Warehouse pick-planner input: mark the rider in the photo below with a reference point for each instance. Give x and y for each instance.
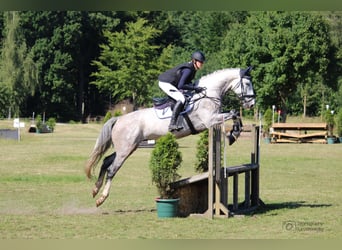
(174, 81)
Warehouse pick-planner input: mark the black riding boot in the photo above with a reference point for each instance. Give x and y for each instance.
(176, 111)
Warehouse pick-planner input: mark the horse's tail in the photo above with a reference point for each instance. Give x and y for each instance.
(103, 142)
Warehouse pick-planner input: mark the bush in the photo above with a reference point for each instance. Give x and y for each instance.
(339, 122)
(267, 121)
(164, 163)
(117, 113)
(201, 164)
(107, 117)
(39, 122)
(45, 127)
(329, 119)
(51, 123)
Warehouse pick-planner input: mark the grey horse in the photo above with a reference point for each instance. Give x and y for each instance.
(127, 131)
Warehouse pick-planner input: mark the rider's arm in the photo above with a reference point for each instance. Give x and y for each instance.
(182, 84)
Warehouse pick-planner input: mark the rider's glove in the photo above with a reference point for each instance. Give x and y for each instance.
(199, 89)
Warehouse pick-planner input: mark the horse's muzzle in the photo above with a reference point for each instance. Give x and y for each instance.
(249, 104)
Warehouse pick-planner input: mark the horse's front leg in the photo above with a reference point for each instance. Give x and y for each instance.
(236, 130)
(219, 118)
(237, 124)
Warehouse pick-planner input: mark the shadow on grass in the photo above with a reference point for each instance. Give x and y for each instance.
(262, 209)
(273, 207)
(126, 211)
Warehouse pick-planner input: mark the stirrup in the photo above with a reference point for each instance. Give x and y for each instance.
(174, 127)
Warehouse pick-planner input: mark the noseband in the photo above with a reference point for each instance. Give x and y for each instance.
(242, 93)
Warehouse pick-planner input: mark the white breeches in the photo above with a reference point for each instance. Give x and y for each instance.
(172, 91)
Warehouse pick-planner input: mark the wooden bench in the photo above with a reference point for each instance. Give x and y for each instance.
(299, 132)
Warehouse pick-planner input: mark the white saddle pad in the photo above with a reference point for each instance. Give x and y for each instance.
(167, 112)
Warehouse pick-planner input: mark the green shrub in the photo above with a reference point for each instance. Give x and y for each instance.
(339, 122)
(51, 123)
(164, 163)
(107, 117)
(201, 164)
(329, 119)
(267, 121)
(39, 122)
(117, 113)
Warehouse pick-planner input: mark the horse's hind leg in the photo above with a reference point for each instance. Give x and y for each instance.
(111, 171)
(105, 165)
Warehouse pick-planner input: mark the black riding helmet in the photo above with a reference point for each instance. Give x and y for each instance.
(198, 56)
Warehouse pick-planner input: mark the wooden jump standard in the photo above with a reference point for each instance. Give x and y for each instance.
(206, 194)
(219, 177)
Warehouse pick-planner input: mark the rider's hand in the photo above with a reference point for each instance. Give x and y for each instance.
(199, 89)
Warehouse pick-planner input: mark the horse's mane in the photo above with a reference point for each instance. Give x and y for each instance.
(217, 79)
(203, 78)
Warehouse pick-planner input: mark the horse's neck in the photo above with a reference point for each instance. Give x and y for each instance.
(217, 86)
(221, 79)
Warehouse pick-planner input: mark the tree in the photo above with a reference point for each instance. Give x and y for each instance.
(296, 57)
(203, 30)
(286, 49)
(127, 64)
(64, 47)
(334, 19)
(18, 74)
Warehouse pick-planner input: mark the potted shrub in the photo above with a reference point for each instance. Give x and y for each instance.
(51, 123)
(164, 164)
(329, 119)
(267, 125)
(39, 124)
(339, 124)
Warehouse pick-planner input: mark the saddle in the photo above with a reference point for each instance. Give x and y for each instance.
(163, 102)
(166, 102)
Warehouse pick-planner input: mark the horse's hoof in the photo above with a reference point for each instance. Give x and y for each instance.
(100, 200)
(95, 191)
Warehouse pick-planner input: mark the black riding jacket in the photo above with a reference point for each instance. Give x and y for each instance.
(180, 76)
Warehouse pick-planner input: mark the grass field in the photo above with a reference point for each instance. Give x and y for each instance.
(45, 194)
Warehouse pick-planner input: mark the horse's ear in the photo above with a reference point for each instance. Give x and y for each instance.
(246, 72)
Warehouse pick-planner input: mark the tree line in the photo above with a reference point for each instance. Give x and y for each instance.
(75, 64)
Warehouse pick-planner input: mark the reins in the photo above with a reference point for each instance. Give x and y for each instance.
(216, 100)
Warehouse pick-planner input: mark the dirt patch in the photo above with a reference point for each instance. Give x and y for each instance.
(73, 207)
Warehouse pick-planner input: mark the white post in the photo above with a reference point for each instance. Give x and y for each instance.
(16, 124)
(19, 133)
(273, 109)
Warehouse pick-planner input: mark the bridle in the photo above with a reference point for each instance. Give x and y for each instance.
(242, 96)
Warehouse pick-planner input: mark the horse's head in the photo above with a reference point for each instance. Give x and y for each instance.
(243, 88)
(238, 80)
